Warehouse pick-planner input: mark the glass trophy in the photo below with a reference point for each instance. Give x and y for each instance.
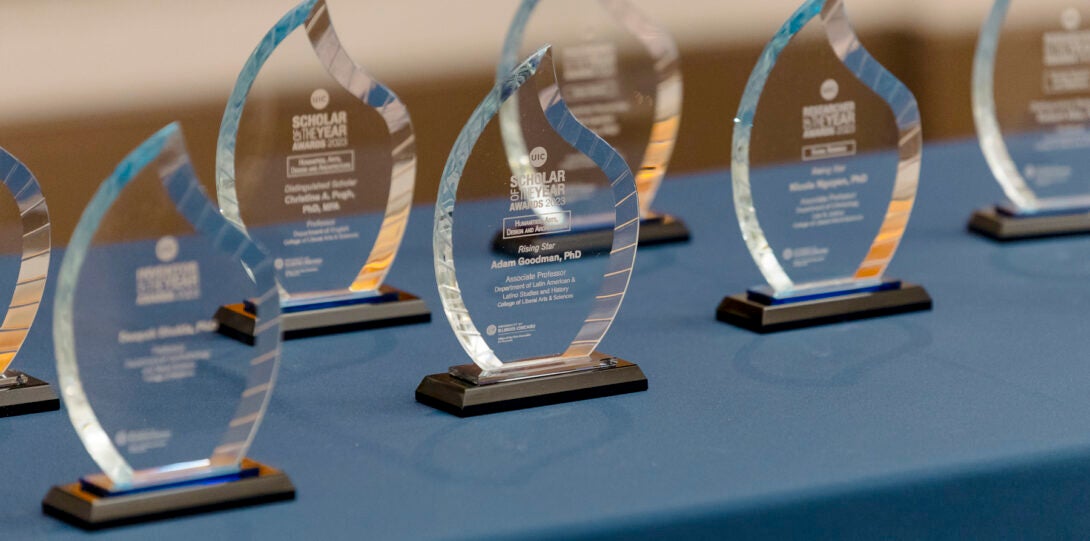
(1031, 87)
(825, 166)
(24, 252)
(317, 162)
(165, 404)
(531, 323)
(620, 75)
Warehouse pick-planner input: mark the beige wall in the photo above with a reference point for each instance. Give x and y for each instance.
(65, 57)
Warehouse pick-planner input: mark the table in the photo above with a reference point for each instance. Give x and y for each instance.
(972, 420)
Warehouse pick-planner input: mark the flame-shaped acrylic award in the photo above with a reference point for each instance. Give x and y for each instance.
(317, 162)
(1031, 86)
(826, 161)
(24, 249)
(166, 405)
(531, 322)
(620, 75)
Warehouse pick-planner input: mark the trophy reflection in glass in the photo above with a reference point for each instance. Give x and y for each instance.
(620, 75)
(1031, 87)
(826, 161)
(317, 162)
(24, 252)
(531, 323)
(166, 405)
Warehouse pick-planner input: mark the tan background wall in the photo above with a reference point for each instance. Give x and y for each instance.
(86, 81)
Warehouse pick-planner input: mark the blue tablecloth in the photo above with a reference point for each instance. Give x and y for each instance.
(972, 420)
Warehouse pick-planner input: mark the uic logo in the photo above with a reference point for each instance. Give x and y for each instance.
(319, 99)
(166, 250)
(539, 156)
(830, 89)
(788, 254)
(491, 330)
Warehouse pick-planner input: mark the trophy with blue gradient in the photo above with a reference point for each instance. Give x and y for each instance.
(317, 163)
(24, 267)
(531, 321)
(1031, 89)
(165, 403)
(826, 161)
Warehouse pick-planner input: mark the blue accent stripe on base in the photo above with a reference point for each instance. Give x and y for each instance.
(765, 295)
(1012, 211)
(326, 304)
(102, 492)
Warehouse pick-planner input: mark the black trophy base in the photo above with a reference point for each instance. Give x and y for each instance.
(464, 399)
(660, 229)
(748, 313)
(237, 321)
(75, 505)
(30, 395)
(999, 226)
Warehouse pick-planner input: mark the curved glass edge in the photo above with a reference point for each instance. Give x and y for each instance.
(361, 84)
(34, 265)
(514, 144)
(226, 192)
(906, 112)
(443, 235)
(626, 223)
(668, 97)
(984, 114)
(509, 56)
(854, 56)
(626, 231)
(314, 15)
(668, 94)
(166, 149)
(752, 233)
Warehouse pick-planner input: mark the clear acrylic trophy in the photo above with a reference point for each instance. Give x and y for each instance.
(24, 252)
(1031, 87)
(826, 161)
(531, 323)
(620, 75)
(317, 163)
(165, 404)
